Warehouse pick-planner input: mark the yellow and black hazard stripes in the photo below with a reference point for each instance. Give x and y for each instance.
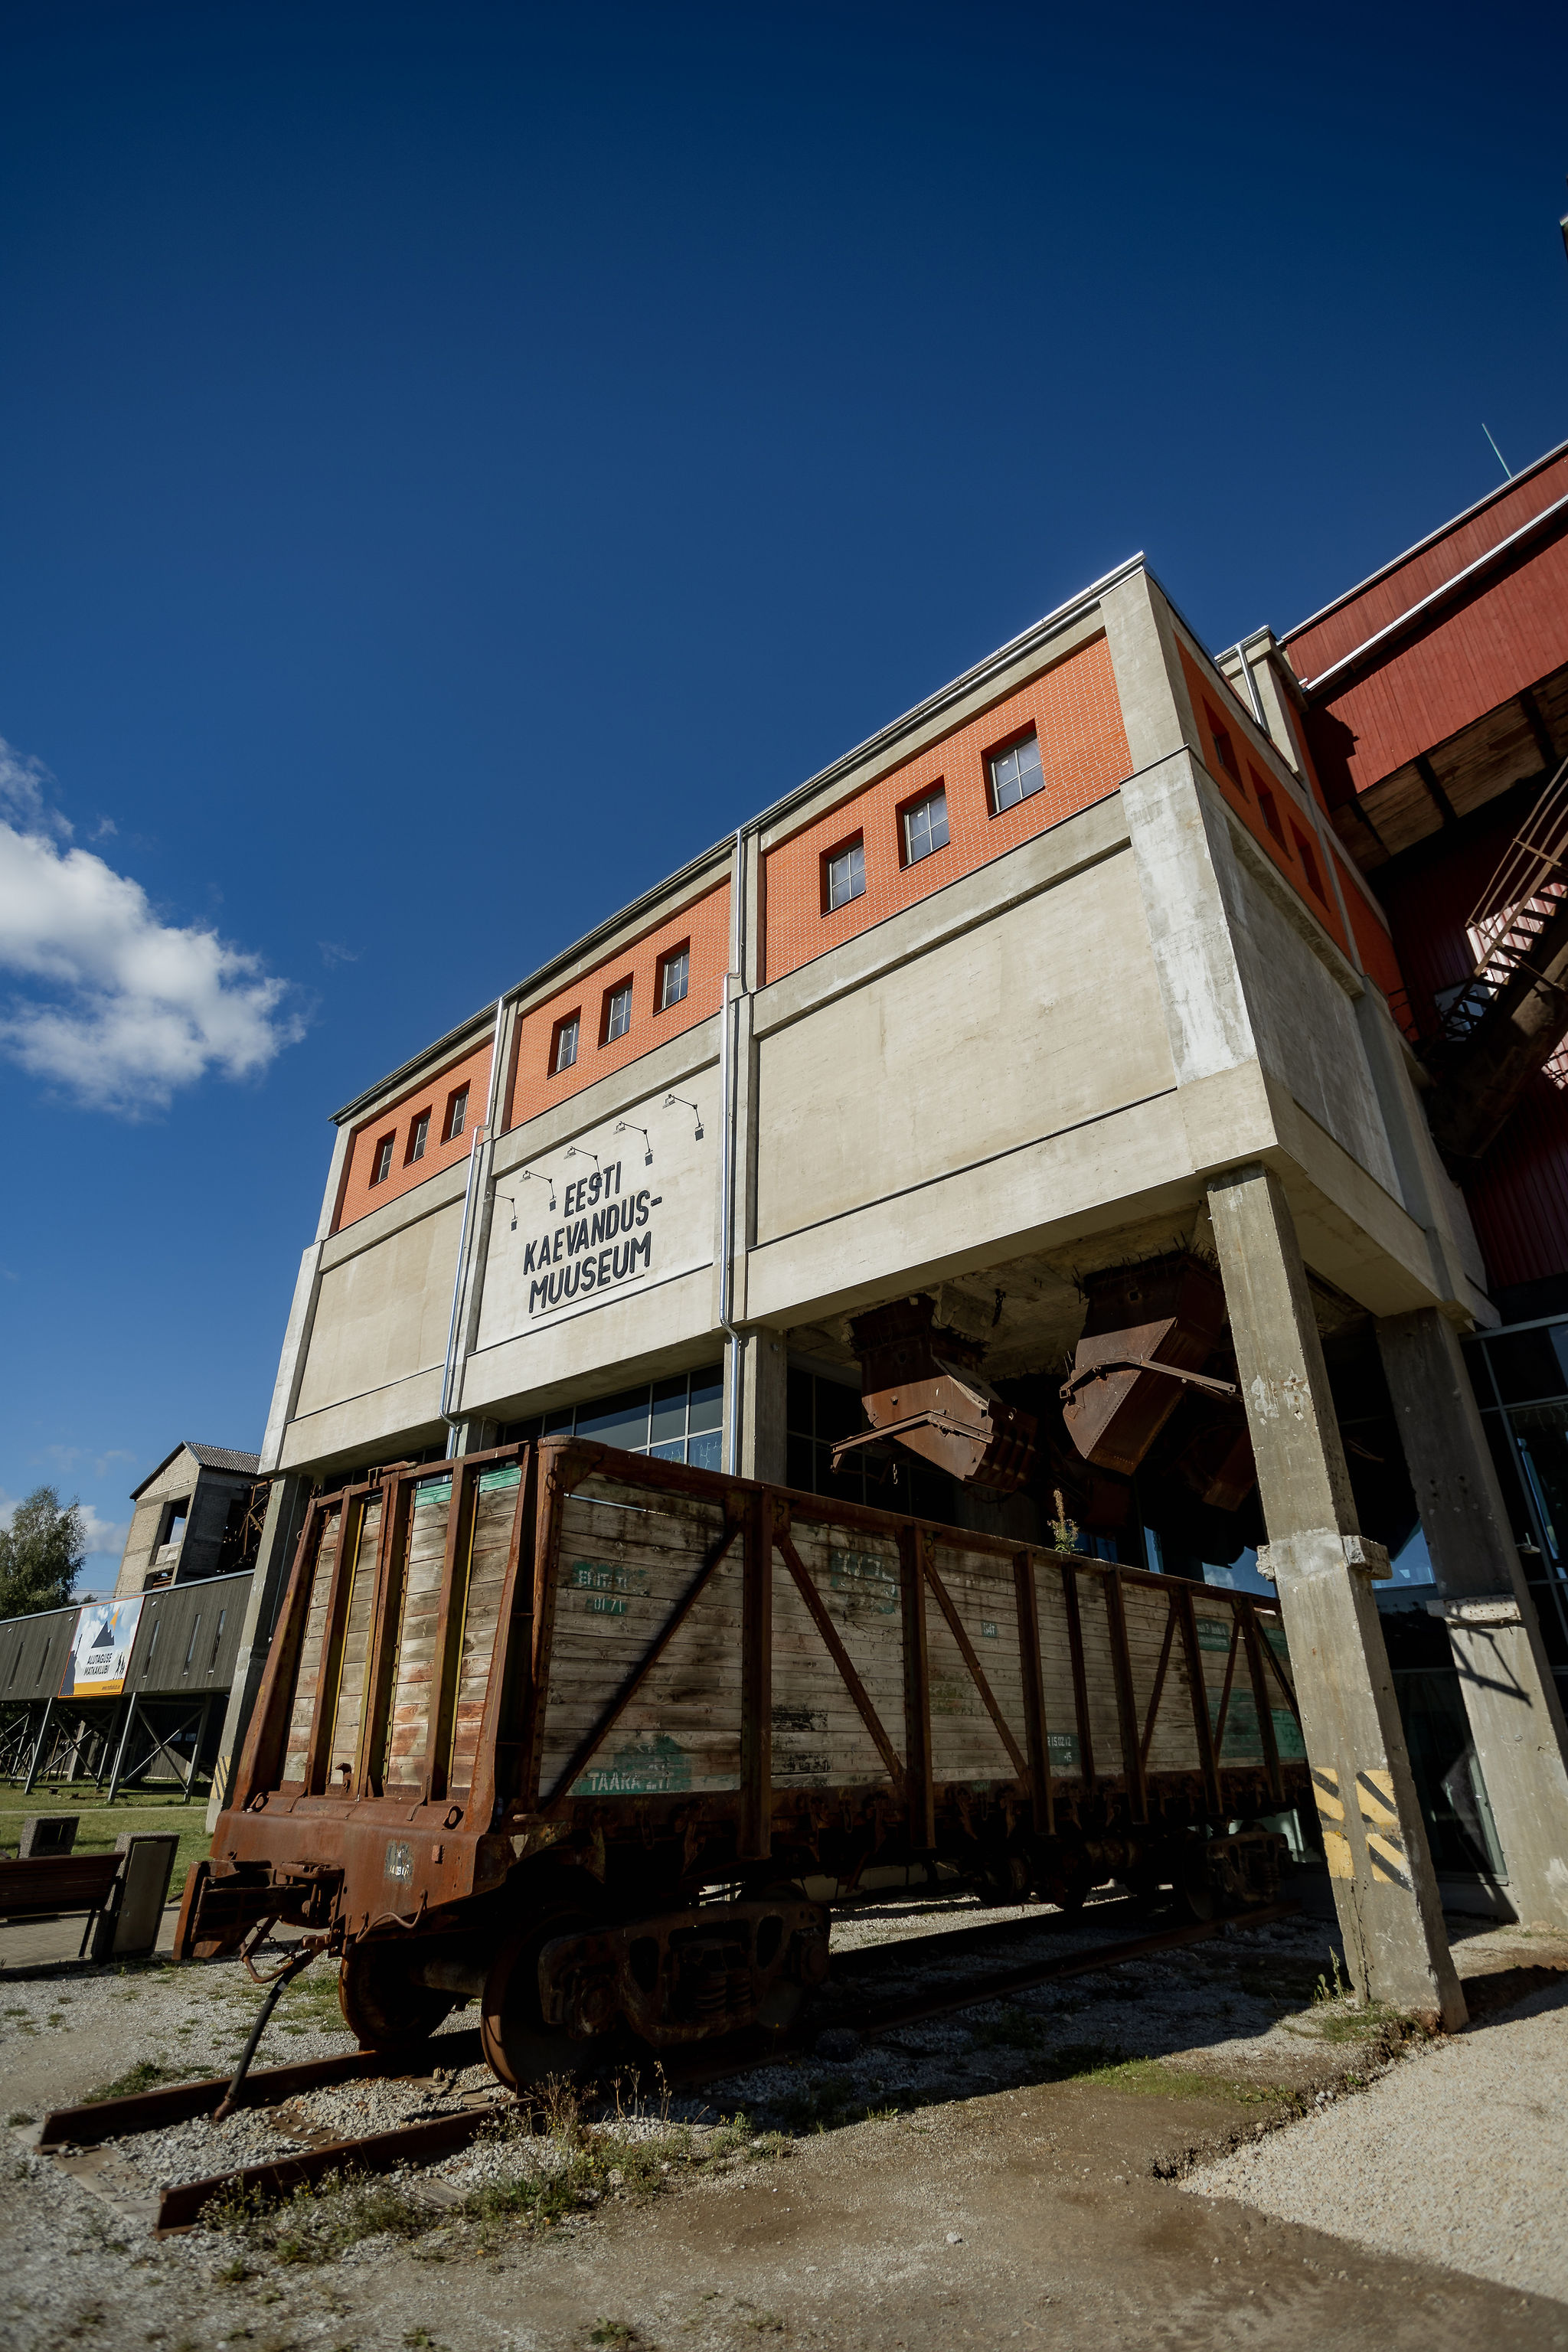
(1380, 1819)
(1385, 1854)
(1332, 1819)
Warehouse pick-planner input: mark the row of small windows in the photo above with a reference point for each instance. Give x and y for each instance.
(1268, 803)
(452, 1125)
(1013, 774)
(671, 983)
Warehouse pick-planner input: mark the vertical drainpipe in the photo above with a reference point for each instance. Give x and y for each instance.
(475, 1153)
(728, 1087)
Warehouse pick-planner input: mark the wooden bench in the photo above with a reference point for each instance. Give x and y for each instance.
(45, 1884)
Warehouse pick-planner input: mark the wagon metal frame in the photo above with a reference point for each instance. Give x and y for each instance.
(335, 1845)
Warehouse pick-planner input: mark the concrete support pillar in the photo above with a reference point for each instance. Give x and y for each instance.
(764, 1367)
(1385, 1890)
(1515, 1716)
(286, 1506)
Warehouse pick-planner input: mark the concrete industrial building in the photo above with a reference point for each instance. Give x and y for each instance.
(197, 1514)
(1083, 966)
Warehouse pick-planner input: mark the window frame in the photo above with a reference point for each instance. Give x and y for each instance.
(457, 1119)
(909, 809)
(999, 750)
(666, 1002)
(383, 1153)
(845, 848)
(568, 1022)
(1223, 743)
(1268, 808)
(613, 994)
(1308, 855)
(418, 1136)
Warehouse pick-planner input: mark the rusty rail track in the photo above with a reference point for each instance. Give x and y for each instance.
(181, 2205)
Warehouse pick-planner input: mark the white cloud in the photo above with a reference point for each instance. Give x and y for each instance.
(120, 1009)
(105, 1538)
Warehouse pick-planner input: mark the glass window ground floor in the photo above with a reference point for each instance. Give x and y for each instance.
(1520, 1379)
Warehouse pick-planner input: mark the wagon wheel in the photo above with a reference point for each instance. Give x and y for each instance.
(1065, 1880)
(784, 2002)
(381, 2002)
(1147, 1891)
(520, 2048)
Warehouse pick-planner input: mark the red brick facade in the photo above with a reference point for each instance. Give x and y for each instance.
(535, 1084)
(1075, 712)
(359, 1194)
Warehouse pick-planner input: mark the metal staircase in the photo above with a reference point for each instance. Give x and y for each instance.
(1509, 1017)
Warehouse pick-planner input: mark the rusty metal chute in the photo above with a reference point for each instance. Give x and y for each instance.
(1151, 1330)
(921, 1386)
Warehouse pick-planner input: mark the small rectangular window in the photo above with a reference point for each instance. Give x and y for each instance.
(191, 1652)
(843, 875)
(925, 825)
(457, 1114)
(382, 1168)
(617, 1012)
(1015, 775)
(1223, 748)
(674, 976)
(418, 1136)
(1307, 857)
(1271, 807)
(564, 1044)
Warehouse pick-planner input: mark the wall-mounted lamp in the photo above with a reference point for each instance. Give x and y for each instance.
(691, 1107)
(576, 1151)
(511, 1198)
(533, 1176)
(630, 1126)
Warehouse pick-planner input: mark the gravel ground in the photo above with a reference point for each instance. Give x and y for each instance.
(1230, 2027)
(1456, 2156)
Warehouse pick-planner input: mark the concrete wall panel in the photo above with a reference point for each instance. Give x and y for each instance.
(383, 1314)
(990, 1040)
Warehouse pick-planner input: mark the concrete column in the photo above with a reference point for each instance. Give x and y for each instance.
(764, 1366)
(1385, 1890)
(286, 1506)
(1516, 1718)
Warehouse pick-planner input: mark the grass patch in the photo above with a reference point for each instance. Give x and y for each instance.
(136, 2079)
(1014, 2029)
(319, 2223)
(584, 2166)
(101, 1824)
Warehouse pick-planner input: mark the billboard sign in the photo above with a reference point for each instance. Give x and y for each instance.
(100, 1649)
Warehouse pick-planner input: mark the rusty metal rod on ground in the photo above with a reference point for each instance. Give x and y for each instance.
(285, 1976)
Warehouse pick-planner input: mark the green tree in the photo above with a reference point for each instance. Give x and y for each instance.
(41, 1553)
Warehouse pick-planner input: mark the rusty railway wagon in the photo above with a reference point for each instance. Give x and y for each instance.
(581, 1734)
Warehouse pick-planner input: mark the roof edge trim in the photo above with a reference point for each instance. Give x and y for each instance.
(1454, 524)
(1038, 633)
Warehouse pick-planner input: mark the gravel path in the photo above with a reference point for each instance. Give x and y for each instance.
(1456, 2156)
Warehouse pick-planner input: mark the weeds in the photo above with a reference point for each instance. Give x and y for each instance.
(1340, 1990)
(586, 2165)
(1014, 2029)
(17, 2116)
(135, 2079)
(318, 2224)
(617, 2333)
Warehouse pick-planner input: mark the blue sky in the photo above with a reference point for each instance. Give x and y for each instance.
(460, 459)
